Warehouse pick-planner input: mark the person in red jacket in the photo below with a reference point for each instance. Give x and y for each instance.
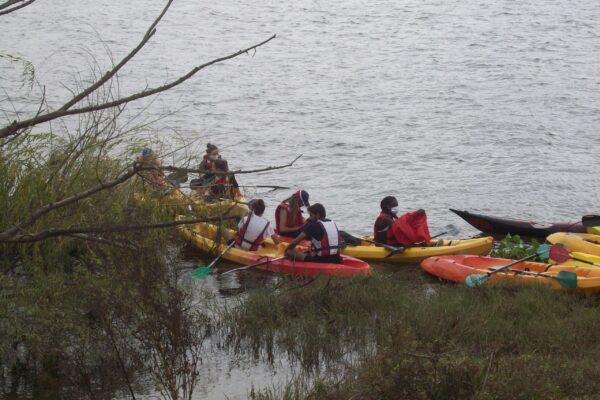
(382, 230)
(288, 216)
(409, 229)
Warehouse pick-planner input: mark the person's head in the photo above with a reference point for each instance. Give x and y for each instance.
(389, 205)
(317, 212)
(212, 152)
(258, 206)
(148, 155)
(221, 165)
(300, 199)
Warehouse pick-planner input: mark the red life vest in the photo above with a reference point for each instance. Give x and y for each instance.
(389, 233)
(251, 239)
(292, 221)
(329, 245)
(411, 228)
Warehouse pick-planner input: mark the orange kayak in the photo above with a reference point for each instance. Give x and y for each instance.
(456, 268)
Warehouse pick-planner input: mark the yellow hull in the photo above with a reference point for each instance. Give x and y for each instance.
(178, 202)
(414, 255)
(576, 242)
(595, 230)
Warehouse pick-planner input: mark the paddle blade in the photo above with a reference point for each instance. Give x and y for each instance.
(475, 280)
(559, 254)
(590, 220)
(543, 251)
(200, 272)
(452, 230)
(567, 279)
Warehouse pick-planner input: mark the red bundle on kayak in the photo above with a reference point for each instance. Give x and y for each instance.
(411, 228)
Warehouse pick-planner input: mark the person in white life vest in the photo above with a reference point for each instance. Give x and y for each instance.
(254, 228)
(323, 235)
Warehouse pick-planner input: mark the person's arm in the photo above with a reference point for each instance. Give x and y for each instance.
(275, 238)
(381, 237)
(297, 240)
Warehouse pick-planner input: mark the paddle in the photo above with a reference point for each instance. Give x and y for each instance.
(392, 249)
(253, 265)
(590, 220)
(451, 229)
(560, 255)
(201, 272)
(478, 279)
(567, 279)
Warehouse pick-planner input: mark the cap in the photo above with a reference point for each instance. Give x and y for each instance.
(146, 152)
(302, 195)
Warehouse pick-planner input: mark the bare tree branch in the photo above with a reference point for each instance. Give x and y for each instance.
(149, 33)
(16, 126)
(69, 200)
(34, 237)
(238, 172)
(9, 3)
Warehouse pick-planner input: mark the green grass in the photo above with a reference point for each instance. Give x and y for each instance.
(404, 341)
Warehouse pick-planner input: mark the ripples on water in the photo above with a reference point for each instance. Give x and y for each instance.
(486, 106)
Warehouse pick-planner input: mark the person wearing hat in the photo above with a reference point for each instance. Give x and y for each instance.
(153, 176)
(324, 236)
(254, 228)
(288, 216)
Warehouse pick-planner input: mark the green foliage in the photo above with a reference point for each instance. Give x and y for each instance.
(406, 341)
(513, 247)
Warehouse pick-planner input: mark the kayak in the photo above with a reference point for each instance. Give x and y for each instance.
(594, 230)
(457, 268)
(503, 226)
(202, 237)
(177, 201)
(577, 242)
(414, 255)
(582, 260)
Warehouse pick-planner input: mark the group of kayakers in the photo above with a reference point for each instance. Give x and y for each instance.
(291, 226)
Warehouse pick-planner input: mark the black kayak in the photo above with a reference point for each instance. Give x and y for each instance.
(503, 226)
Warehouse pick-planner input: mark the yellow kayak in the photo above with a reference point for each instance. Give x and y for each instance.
(577, 242)
(176, 201)
(595, 230)
(414, 255)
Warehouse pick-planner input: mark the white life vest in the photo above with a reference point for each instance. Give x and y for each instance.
(251, 234)
(330, 242)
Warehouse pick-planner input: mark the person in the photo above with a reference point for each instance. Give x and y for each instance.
(288, 215)
(324, 236)
(407, 230)
(253, 229)
(208, 160)
(152, 175)
(223, 186)
(382, 230)
(207, 166)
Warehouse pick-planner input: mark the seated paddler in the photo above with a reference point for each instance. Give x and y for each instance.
(289, 220)
(253, 229)
(324, 236)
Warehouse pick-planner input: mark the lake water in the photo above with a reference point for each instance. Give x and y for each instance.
(492, 107)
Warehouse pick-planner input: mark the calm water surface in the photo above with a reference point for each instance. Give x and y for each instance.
(486, 106)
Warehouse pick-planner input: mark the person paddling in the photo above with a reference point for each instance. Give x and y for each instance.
(254, 228)
(324, 236)
(288, 216)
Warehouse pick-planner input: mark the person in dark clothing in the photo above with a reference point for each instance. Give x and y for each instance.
(324, 236)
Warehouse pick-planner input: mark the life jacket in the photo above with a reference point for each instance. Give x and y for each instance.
(221, 187)
(329, 244)
(292, 221)
(389, 233)
(411, 228)
(250, 235)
